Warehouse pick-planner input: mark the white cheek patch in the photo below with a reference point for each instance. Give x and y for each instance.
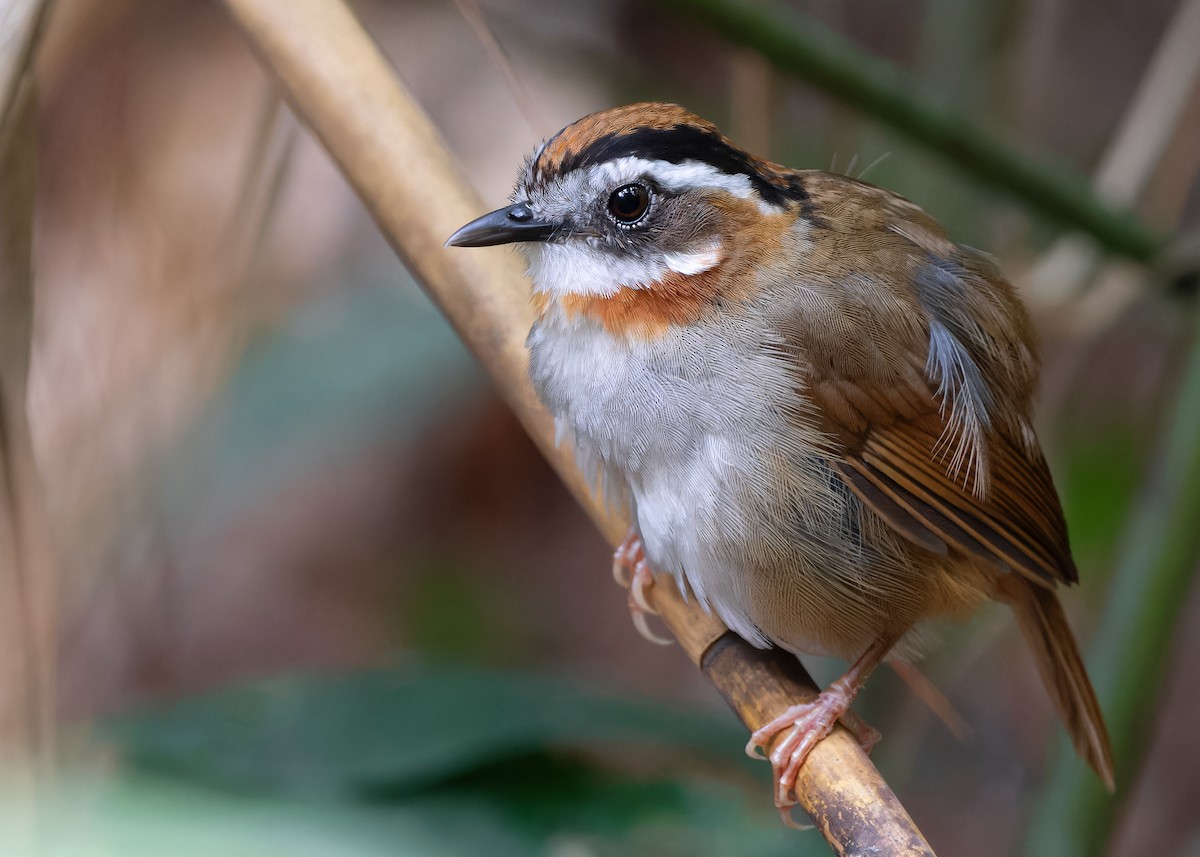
(696, 262)
(576, 267)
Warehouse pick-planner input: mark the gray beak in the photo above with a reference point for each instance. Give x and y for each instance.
(503, 226)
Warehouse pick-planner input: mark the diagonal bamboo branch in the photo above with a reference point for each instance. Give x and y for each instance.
(339, 83)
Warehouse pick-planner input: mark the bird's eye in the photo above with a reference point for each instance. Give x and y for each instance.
(629, 203)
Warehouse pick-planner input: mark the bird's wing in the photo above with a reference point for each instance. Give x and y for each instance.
(919, 363)
(897, 463)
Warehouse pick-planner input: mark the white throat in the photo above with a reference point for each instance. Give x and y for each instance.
(581, 267)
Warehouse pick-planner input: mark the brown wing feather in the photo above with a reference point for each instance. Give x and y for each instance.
(1018, 523)
(892, 457)
(920, 360)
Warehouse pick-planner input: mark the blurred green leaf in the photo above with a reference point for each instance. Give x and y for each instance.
(533, 806)
(151, 817)
(474, 758)
(549, 798)
(351, 734)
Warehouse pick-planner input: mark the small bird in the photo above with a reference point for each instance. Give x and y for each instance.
(814, 405)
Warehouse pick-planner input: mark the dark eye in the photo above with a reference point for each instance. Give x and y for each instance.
(628, 203)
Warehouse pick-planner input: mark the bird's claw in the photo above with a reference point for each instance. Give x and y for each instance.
(626, 557)
(807, 724)
(631, 570)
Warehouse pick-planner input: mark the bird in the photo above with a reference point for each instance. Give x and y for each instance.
(815, 406)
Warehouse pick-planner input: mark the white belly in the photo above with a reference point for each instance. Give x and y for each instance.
(730, 493)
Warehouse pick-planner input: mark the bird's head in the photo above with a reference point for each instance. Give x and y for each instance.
(636, 196)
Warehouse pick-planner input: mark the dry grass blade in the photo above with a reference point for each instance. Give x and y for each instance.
(27, 585)
(21, 22)
(269, 157)
(473, 15)
(340, 85)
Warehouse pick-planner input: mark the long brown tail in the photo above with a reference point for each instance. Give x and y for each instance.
(1044, 625)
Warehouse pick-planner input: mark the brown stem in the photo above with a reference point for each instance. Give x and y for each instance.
(341, 86)
(28, 584)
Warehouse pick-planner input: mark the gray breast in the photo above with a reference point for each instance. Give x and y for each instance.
(700, 431)
(639, 407)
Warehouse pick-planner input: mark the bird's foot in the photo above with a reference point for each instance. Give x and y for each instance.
(806, 724)
(626, 557)
(631, 570)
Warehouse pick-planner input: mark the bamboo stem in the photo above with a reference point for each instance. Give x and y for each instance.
(342, 87)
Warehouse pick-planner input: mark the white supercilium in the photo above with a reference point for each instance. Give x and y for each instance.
(688, 175)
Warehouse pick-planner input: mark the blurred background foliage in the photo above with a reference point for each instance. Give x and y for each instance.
(315, 593)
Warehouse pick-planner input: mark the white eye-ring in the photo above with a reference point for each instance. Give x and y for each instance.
(629, 203)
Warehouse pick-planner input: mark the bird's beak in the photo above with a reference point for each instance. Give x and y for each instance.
(503, 226)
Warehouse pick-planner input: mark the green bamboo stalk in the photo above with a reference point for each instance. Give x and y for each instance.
(799, 46)
(1155, 567)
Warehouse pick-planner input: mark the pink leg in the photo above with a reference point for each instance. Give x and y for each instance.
(810, 722)
(630, 569)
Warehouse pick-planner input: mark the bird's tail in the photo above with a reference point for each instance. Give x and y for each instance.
(1044, 625)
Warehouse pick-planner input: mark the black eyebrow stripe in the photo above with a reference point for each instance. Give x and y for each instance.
(684, 143)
